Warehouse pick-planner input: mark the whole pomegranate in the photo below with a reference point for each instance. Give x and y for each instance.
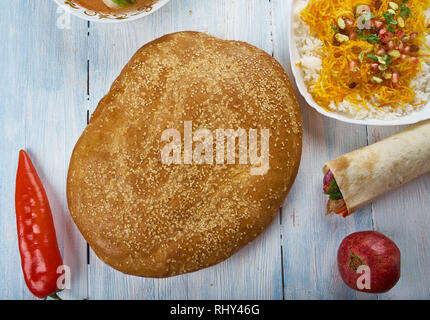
(369, 262)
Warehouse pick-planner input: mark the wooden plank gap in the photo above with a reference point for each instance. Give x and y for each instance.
(271, 27)
(282, 270)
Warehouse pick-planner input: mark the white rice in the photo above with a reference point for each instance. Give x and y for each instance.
(311, 68)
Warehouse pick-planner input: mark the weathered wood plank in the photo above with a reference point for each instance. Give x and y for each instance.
(403, 215)
(43, 110)
(254, 272)
(310, 239)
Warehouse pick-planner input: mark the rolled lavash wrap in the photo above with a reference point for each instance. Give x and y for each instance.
(355, 179)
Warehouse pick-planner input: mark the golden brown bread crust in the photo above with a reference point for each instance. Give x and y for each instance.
(149, 219)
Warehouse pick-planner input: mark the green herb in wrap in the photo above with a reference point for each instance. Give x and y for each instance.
(335, 204)
(333, 191)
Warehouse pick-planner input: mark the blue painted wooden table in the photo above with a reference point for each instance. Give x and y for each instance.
(55, 68)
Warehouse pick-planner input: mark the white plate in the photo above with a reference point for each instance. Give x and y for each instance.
(414, 117)
(86, 14)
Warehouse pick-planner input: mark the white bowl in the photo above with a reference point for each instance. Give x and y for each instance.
(422, 114)
(86, 14)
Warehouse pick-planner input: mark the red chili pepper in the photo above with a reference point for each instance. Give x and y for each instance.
(342, 211)
(40, 256)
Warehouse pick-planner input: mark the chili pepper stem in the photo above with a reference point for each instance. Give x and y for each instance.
(55, 296)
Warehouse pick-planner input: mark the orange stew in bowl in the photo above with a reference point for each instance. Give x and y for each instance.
(115, 6)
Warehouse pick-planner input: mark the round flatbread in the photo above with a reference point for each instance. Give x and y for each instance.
(146, 217)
